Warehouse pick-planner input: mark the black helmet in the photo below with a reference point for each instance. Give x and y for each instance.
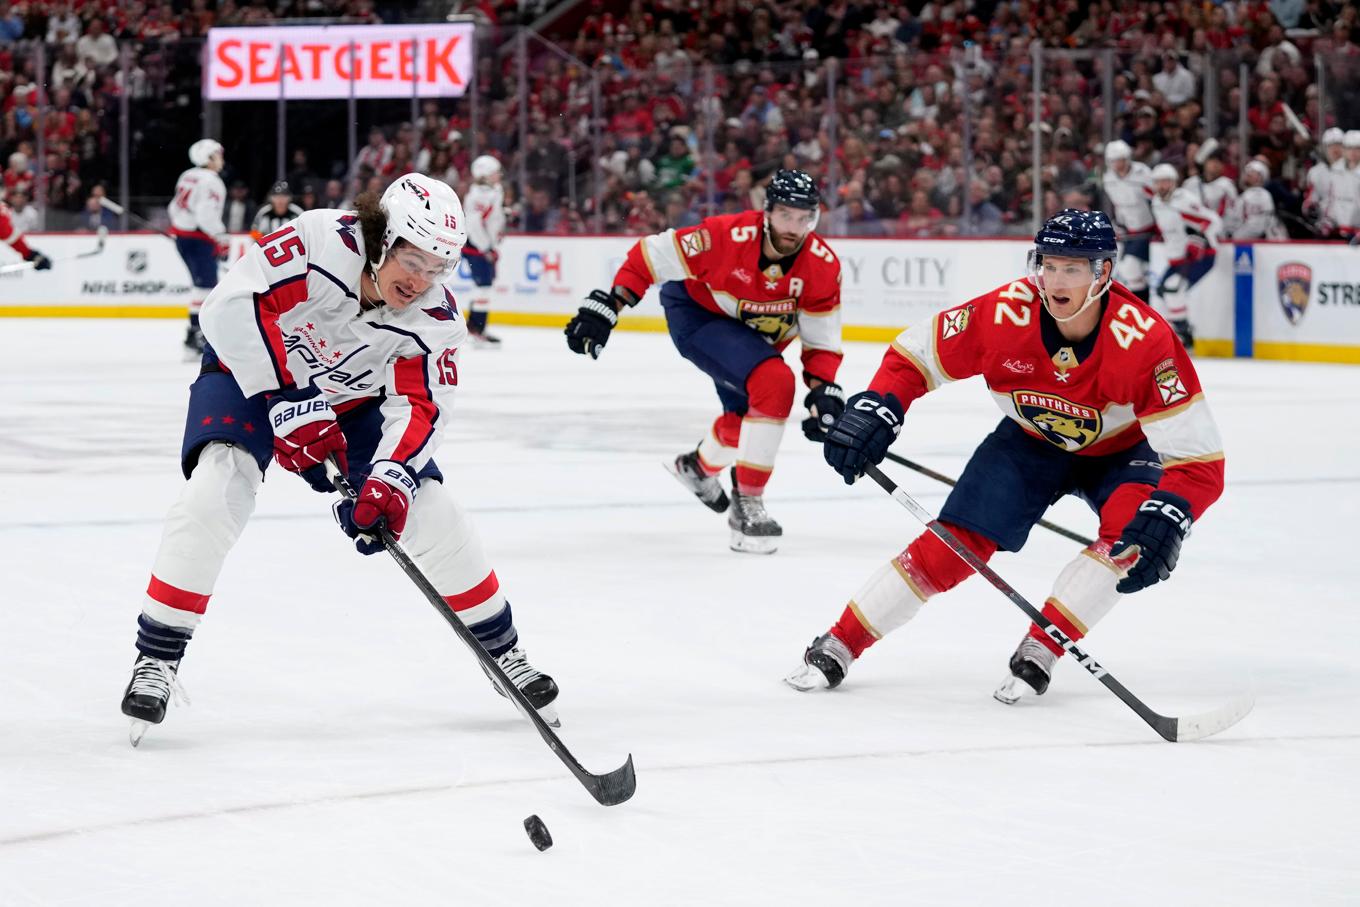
(793, 188)
(280, 188)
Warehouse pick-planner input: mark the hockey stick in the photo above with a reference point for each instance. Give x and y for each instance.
(100, 235)
(113, 207)
(941, 477)
(1176, 730)
(608, 789)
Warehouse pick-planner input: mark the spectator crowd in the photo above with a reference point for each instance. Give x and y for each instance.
(916, 118)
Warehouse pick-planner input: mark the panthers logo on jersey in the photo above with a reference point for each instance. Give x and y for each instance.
(775, 321)
(1061, 422)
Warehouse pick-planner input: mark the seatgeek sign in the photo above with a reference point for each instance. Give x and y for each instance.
(372, 61)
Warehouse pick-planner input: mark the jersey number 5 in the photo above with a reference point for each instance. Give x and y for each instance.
(280, 246)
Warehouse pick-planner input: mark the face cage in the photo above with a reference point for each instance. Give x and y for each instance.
(1033, 264)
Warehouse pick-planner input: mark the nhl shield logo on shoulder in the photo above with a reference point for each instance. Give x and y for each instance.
(1295, 282)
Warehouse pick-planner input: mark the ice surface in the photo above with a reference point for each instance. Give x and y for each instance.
(342, 748)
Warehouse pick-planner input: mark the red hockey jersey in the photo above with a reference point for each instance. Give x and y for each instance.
(9, 233)
(719, 261)
(1130, 379)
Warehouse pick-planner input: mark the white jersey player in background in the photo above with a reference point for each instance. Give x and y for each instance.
(1318, 184)
(1252, 215)
(196, 224)
(333, 338)
(1343, 209)
(1190, 232)
(1128, 186)
(1210, 187)
(486, 227)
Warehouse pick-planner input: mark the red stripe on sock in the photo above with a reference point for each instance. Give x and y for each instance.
(751, 480)
(853, 633)
(476, 595)
(1061, 622)
(179, 599)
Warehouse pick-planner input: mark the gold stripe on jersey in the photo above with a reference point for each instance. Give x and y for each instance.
(1203, 458)
(1172, 410)
(647, 260)
(758, 467)
(680, 254)
(931, 383)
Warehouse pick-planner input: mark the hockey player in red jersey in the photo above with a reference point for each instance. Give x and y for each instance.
(1100, 401)
(12, 237)
(736, 290)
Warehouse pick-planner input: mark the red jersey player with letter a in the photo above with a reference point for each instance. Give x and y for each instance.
(1100, 400)
(736, 290)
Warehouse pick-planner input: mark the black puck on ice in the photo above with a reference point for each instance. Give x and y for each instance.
(538, 832)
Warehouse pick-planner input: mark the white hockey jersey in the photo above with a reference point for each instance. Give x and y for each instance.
(1252, 216)
(1188, 228)
(196, 210)
(1318, 187)
(485, 207)
(288, 315)
(1130, 195)
(1343, 199)
(1217, 195)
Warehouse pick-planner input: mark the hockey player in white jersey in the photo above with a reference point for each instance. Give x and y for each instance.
(1128, 186)
(1343, 209)
(1318, 182)
(486, 228)
(335, 337)
(1211, 188)
(1252, 215)
(196, 224)
(1190, 232)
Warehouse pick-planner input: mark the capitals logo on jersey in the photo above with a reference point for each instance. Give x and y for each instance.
(1061, 422)
(1294, 280)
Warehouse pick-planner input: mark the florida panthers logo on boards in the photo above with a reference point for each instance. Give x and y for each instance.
(775, 321)
(1295, 280)
(1061, 422)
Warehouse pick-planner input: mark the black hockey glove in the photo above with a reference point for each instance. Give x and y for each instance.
(588, 331)
(40, 261)
(824, 403)
(861, 436)
(1158, 527)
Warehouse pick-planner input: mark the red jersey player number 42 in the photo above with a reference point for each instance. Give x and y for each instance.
(1100, 400)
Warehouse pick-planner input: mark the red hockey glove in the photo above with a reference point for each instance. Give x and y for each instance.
(384, 500)
(305, 434)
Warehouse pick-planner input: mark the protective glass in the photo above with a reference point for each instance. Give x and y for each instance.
(423, 265)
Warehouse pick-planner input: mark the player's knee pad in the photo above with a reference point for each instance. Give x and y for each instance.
(727, 429)
(219, 496)
(770, 387)
(1132, 272)
(935, 567)
(442, 539)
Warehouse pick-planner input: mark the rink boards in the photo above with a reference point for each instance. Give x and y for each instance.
(1298, 301)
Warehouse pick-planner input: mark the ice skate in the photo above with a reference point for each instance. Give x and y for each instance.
(753, 530)
(1187, 337)
(537, 687)
(705, 487)
(1031, 669)
(148, 694)
(825, 664)
(485, 341)
(193, 343)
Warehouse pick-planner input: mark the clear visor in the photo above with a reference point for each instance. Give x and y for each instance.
(784, 219)
(423, 265)
(1052, 273)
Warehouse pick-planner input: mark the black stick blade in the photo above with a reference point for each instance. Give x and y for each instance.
(615, 787)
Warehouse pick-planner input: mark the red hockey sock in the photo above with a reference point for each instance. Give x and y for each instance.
(854, 634)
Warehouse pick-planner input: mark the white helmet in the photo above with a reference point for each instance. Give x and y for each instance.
(1165, 172)
(202, 151)
(1333, 136)
(1259, 167)
(485, 167)
(1351, 139)
(1118, 150)
(427, 214)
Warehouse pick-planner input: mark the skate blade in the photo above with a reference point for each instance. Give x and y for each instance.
(753, 544)
(138, 730)
(1013, 690)
(807, 679)
(719, 505)
(549, 715)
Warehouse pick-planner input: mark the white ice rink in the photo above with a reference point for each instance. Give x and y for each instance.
(343, 748)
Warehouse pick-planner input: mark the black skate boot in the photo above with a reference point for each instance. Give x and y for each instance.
(148, 694)
(1187, 337)
(537, 687)
(753, 530)
(1031, 670)
(824, 665)
(193, 343)
(705, 487)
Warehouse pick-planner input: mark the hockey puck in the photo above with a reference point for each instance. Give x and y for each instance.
(538, 832)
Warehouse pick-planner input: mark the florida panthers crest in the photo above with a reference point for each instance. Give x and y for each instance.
(1061, 422)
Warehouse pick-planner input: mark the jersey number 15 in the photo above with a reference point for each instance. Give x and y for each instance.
(280, 246)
